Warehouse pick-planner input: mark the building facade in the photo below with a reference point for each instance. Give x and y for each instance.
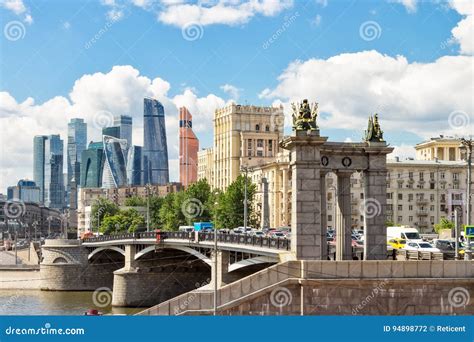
(206, 164)
(188, 149)
(125, 122)
(76, 144)
(244, 136)
(115, 162)
(92, 165)
(134, 165)
(155, 150)
(25, 190)
(419, 193)
(38, 163)
(441, 148)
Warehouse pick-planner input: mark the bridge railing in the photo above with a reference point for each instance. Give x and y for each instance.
(265, 242)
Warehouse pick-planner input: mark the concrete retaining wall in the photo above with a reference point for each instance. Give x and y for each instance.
(20, 278)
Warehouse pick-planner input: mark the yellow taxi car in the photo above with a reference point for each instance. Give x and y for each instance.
(397, 243)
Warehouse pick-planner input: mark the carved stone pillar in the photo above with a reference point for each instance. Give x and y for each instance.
(343, 226)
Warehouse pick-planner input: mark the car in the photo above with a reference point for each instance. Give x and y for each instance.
(258, 233)
(277, 234)
(421, 247)
(397, 243)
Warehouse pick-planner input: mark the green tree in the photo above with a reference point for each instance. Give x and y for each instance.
(444, 223)
(230, 204)
(101, 209)
(170, 211)
(197, 203)
(135, 201)
(128, 220)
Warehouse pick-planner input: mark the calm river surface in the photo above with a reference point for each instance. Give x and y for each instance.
(31, 302)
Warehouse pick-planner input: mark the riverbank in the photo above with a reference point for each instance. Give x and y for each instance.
(20, 277)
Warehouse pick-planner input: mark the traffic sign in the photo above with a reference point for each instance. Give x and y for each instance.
(469, 231)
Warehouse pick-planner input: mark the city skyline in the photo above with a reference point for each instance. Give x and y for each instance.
(269, 53)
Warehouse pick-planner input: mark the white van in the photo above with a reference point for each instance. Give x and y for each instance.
(188, 229)
(403, 232)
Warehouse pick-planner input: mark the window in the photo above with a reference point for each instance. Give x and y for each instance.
(432, 175)
(361, 195)
(455, 176)
(432, 186)
(456, 186)
(267, 128)
(410, 218)
(432, 197)
(329, 217)
(270, 145)
(400, 207)
(410, 197)
(259, 143)
(257, 128)
(410, 207)
(410, 175)
(389, 195)
(400, 185)
(400, 196)
(431, 207)
(441, 175)
(399, 219)
(422, 176)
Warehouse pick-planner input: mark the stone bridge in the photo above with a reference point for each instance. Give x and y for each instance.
(144, 269)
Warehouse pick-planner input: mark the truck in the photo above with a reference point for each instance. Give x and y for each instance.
(199, 226)
(403, 232)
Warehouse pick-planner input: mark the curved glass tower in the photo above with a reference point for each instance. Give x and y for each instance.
(115, 172)
(155, 150)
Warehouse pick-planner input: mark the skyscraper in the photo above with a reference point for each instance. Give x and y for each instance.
(113, 131)
(125, 124)
(115, 163)
(92, 165)
(25, 190)
(38, 163)
(188, 148)
(53, 172)
(155, 150)
(134, 165)
(76, 143)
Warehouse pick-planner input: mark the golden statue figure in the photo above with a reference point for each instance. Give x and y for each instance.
(304, 116)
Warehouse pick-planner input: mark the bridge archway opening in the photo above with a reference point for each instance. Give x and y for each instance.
(111, 255)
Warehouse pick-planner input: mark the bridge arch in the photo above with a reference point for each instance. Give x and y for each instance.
(188, 250)
(100, 249)
(252, 261)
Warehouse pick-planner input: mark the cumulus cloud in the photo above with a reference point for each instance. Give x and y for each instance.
(463, 33)
(233, 91)
(119, 91)
(220, 12)
(410, 5)
(416, 97)
(18, 8)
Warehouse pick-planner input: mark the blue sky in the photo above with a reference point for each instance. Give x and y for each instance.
(62, 64)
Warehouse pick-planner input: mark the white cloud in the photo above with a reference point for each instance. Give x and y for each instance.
(322, 3)
(463, 33)
(410, 5)
(416, 97)
(233, 91)
(403, 152)
(119, 91)
(18, 8)
(226, 12)
(317, 20)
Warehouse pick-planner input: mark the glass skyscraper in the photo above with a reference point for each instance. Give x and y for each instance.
(125, 124)
(53, 181)
(155, 150)
(38, 163)
(115, 163)
(134, 165)
(92, 165)
(113, 131)
(76, 143)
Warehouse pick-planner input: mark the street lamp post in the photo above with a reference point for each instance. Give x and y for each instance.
(147, 187)
(467, 144)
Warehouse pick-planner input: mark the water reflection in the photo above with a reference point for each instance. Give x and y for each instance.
(30, 302)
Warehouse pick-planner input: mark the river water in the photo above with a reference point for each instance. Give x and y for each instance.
(32, 302)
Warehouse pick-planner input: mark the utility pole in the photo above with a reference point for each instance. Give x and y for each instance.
(147, 188)
(245, 200)
(215, 270)
(456, 237)
(467, 145)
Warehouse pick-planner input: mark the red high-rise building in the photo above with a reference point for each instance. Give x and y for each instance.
(188, 148)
